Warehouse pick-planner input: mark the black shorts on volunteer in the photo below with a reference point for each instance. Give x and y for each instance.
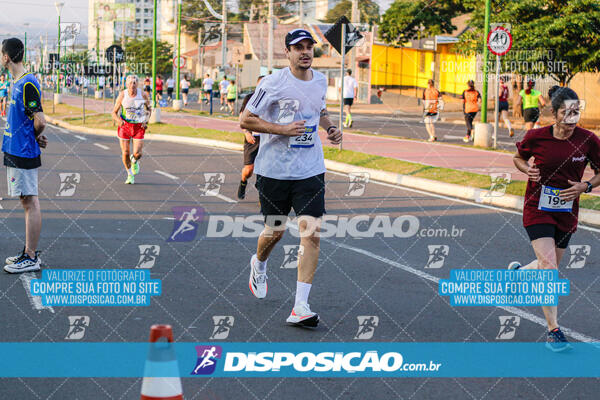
(531, 114)
(251, 150)
(538, 231)
(502, 106)
(277, 197)
(348, 101)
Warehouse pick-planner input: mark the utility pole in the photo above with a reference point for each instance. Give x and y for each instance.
(270, 44)
(224, 36)
(301, 11)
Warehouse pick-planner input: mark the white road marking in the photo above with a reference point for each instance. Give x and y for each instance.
(36, 301)
(170, 218)
(440, 196)
(218, 195)
(452, 137)
(166, 174)
(421, 274)
(80, 137)
(103, 147)
(513, 310)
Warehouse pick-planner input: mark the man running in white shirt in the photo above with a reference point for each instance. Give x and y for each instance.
(207, 88)
(223, 85)
(350, 90)
(170, 87)
(288, 107)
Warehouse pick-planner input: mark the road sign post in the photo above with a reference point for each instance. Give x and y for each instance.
(343, 36)
(499, 42)
(343, 46)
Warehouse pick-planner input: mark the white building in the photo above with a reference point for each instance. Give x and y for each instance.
(111, 32)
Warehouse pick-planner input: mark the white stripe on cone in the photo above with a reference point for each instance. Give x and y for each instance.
(159, 388)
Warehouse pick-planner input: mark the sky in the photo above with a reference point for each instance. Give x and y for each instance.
(42, 18)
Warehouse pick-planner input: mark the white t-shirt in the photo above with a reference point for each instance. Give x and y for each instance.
(185, 84)
(208, 84)
(101, 81)
(282, 98)
(223, 85)
(170, 82)
(349, 85)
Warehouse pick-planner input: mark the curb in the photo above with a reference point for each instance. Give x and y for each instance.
(480, 196)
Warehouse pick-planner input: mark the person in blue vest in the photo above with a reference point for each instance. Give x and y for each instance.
(21, 147)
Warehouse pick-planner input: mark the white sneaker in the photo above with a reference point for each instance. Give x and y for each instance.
(258, 282)
(23, 264)
(302, 316)
(14, 259)
(514, 265)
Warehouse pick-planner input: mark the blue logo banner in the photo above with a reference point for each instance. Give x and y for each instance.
(298, 359)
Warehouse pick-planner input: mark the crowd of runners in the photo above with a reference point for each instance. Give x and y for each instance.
(281, 120)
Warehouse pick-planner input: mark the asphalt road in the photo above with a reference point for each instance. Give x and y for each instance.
(102, 224)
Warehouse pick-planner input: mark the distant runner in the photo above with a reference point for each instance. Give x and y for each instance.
(503, 105)
(231, 96)
(471, 100)
(432, 103)
(223, 92)
(350, 91)
(131, 113)
(251, 144)
(531, 100)
(4, 85)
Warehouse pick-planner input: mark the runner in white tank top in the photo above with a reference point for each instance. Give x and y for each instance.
(131, 113)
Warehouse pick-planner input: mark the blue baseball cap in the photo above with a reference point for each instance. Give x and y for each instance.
(297, 35)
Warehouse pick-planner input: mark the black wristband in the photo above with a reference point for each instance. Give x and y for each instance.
(332, 126)
(589, 188)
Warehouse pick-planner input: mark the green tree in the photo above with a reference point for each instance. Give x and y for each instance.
(139, 53)
(194, 14)
(407, 20)
(369, 11)
(559, 38)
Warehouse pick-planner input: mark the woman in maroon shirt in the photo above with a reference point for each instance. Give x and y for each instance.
(560, 154)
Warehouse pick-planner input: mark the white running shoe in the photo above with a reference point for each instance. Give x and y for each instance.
(514, 265)
(302, 316)
(14, 259)
(258, 282)
(23, 264)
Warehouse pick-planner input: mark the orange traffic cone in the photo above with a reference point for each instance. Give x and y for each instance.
(167, 388)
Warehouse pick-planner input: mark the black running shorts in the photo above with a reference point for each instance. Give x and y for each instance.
(251, 150)
(538, 231)
(278, 197)
(531, 114)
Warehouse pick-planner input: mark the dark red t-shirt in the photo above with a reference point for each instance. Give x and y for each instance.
(503, 93)
(558, 161)
(159, 84)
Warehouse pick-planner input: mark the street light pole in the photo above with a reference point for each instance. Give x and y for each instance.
(26, 24)
(59, 7)
(178, 48)
(485, 62)
(154, 57)
(270, 44)
(224, 36)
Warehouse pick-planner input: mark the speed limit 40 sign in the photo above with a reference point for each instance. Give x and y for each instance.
(499, 41)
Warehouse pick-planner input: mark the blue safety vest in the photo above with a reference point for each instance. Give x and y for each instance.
(19, 135)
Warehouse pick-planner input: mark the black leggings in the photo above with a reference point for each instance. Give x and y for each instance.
(469, 117)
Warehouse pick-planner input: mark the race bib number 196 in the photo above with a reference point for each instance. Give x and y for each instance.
(550, 200)
(306, 140)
